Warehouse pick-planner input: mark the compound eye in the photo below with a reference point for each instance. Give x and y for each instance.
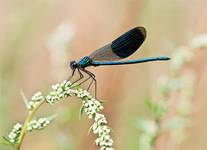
(73, 65)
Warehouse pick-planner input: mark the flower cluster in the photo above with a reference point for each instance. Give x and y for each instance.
(14, 134)
(180, 57)
(199, 42)
(39, 124)
(35, 100)
(65, 89)
(37, 97)
(149, 130)
(102, 130)
(58, 92)
(91, 107)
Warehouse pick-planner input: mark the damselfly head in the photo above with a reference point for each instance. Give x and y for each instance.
(73, 65)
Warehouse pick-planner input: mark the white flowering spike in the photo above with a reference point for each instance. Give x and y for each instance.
(91, 107)
(39, 124)
(37, 96)
(180, 57)
(14, 134)
(199, 42)
(65, 89)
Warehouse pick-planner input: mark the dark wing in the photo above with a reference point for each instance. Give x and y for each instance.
(122, 47)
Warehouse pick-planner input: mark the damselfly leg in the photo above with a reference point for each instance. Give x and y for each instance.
(81, 76)
(93, 80)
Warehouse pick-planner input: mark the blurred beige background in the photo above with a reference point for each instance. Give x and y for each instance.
(39, 38)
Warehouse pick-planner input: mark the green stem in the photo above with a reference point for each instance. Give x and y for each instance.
(28, 119)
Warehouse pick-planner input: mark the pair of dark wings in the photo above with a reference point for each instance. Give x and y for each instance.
(122, 47)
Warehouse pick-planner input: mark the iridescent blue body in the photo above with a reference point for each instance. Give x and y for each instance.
(84, 62)
(112, 53)
(95, 63)
(87, 61)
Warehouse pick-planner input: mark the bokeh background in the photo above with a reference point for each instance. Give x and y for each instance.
(39, 38)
